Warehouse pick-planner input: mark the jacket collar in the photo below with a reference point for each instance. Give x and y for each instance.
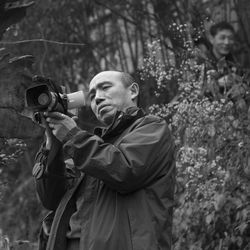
(121, 121)
(227, 58)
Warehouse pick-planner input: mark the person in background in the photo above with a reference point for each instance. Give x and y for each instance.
(224, 75)
(222, 40)
(118, 191)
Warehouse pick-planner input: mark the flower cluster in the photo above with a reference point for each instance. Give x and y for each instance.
(155, 67)
(10, 151)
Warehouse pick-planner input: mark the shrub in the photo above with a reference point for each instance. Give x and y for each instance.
(213, 164)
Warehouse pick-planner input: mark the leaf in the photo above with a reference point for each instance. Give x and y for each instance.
(211, 130)
(219, 202)
(209, 218)
(247, 167)
(242, 227)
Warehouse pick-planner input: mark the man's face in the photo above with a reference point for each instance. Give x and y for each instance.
(222, 43)
(108, 95)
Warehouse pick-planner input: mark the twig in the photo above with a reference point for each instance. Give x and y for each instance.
(221, 244)
(41, 40)
(113, 10)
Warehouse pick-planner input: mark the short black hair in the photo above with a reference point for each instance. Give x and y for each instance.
(127, 81)
(221, 26)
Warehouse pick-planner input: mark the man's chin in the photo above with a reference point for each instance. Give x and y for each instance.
(225, 52)
(107, 118)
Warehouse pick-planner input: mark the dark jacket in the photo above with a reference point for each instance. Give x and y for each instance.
(128, 174)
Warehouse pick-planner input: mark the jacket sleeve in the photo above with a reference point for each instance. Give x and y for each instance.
(51, 183)
(141, 156)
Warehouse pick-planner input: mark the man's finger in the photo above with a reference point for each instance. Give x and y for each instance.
(44, 122)
(51, 125)
(53, 121)
(56, 115)
(75, 118)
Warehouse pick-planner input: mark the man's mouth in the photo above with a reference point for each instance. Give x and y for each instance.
(103, 108)
(226, 48)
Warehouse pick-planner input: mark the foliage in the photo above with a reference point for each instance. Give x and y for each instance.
(212, 137)
(10, 151)
(16, 192)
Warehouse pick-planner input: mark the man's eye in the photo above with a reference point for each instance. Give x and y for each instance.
(104, 87)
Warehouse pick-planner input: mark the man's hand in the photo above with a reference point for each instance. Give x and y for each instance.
(229, 80)
(50, 138)
(60, 124)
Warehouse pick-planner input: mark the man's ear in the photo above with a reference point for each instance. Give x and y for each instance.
(134, 90)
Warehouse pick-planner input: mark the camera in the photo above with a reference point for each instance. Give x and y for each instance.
(46, 95)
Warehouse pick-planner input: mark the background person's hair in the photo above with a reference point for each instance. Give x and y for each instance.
(214, 29)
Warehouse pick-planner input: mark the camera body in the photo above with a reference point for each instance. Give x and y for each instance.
(46, 95)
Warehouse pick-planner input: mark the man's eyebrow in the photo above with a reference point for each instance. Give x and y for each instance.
(102, 83)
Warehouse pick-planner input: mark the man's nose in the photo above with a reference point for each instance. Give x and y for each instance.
(227, 41)
(99, 97)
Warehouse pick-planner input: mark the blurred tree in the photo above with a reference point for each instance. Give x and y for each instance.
(12, 12)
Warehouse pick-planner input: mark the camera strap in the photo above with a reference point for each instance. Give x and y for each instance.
(62, 100)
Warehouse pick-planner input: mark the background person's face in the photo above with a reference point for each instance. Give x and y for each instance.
(108, 95)
(222, 43)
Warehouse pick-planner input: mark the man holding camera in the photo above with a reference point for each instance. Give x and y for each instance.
(119, 192)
